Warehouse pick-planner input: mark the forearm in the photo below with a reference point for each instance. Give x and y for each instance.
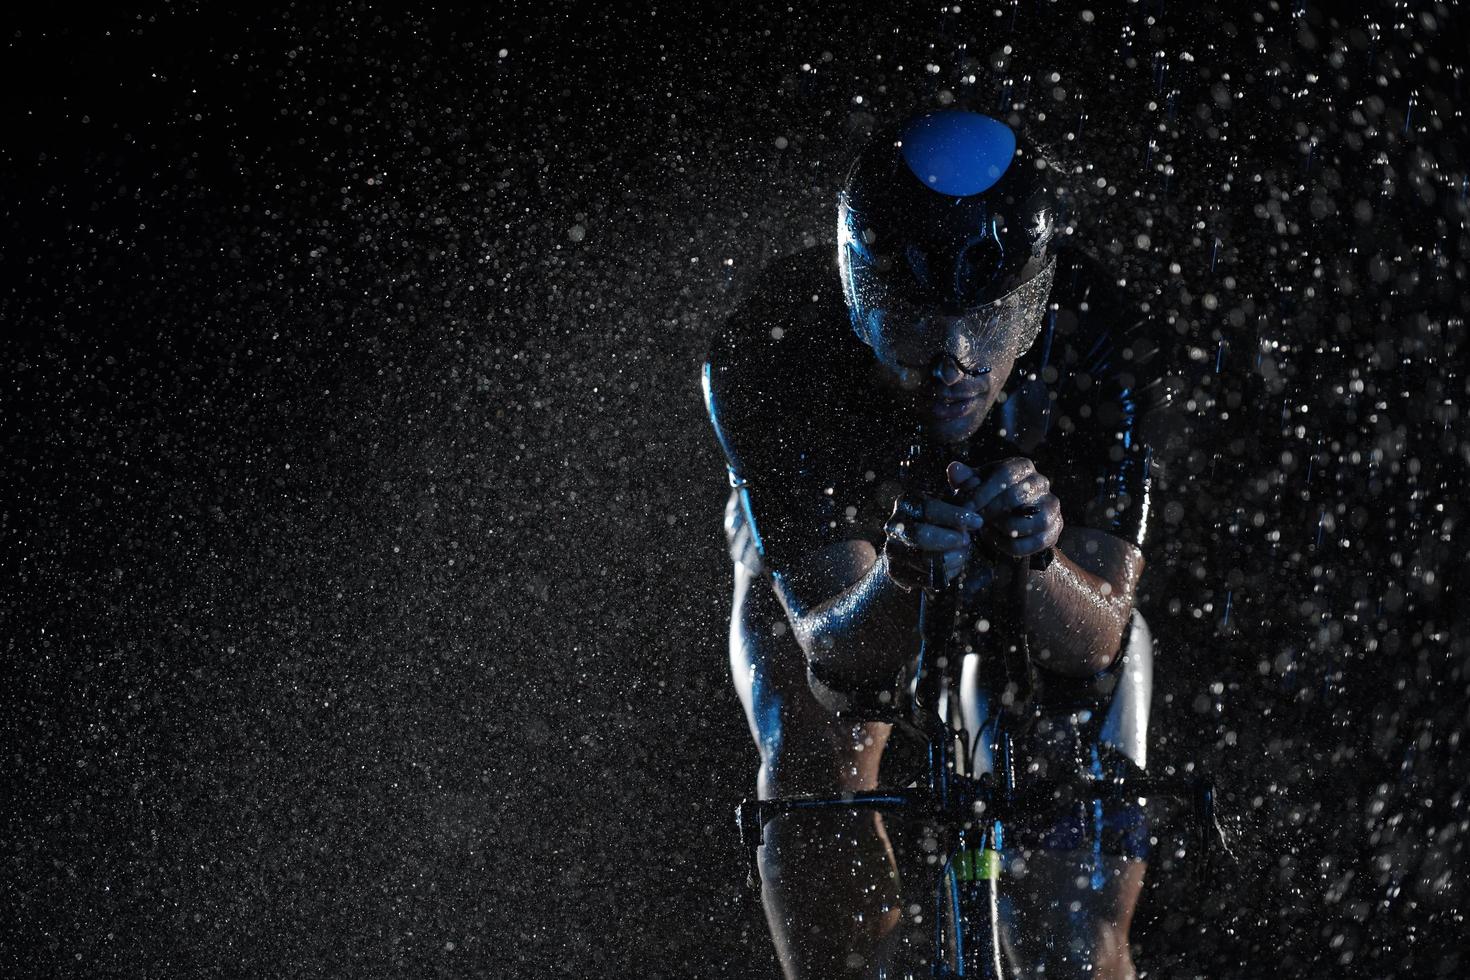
(1077, 618)
(865, 633)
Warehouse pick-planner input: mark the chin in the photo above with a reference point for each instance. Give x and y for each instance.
(960, 429)
(955, 430)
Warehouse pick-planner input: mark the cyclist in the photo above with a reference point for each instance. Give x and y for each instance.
(952, 315)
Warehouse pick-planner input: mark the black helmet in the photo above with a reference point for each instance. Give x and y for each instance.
(950, 214)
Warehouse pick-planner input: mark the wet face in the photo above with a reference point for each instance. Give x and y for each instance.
(950, 367)
(952, 389)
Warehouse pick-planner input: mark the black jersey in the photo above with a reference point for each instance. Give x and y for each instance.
(813, 441)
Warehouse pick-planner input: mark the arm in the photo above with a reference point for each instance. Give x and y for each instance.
(849, 616)
(854, 608)
(1079, 606)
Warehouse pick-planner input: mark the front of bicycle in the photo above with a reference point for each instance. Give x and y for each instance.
(968, 805)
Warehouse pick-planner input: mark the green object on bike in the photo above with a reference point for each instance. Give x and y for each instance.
(978, 865)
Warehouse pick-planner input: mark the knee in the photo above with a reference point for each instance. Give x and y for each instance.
(1112, 956)
(1101, 953)
(766, 780)
(838, 858)
(791, 772)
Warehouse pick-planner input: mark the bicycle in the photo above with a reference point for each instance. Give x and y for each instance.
(973, 808)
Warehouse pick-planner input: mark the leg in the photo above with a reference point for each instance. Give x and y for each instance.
(1068, 912)
(1068, 922)
(830, 890)
(829, 882)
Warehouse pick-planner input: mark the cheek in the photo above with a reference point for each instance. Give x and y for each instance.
(909, 379)
(984, 408)
(902, 379)
(898, 375)
(1000, 377)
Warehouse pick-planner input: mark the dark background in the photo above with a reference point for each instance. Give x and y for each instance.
(365, 599)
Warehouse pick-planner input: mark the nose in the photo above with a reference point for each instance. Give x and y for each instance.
(956, 357)
(947, 370)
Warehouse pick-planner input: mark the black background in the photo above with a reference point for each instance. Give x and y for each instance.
(365, 596)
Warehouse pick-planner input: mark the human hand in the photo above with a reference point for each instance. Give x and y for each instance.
(1022, 515)
(926, 534)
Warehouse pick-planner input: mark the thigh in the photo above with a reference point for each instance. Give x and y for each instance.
(1068, 912)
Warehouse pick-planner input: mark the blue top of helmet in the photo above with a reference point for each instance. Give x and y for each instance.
(958, 152)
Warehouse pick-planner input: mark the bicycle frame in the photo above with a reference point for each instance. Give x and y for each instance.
(974, 808)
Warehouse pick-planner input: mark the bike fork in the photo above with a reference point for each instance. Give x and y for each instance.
(970, 892)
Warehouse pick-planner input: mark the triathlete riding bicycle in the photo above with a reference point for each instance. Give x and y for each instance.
(952, 315)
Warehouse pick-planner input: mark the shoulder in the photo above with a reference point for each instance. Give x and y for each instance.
(789, 392)
(767, 369)
(785, 312)
(1104, 358)
(1109, 349)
